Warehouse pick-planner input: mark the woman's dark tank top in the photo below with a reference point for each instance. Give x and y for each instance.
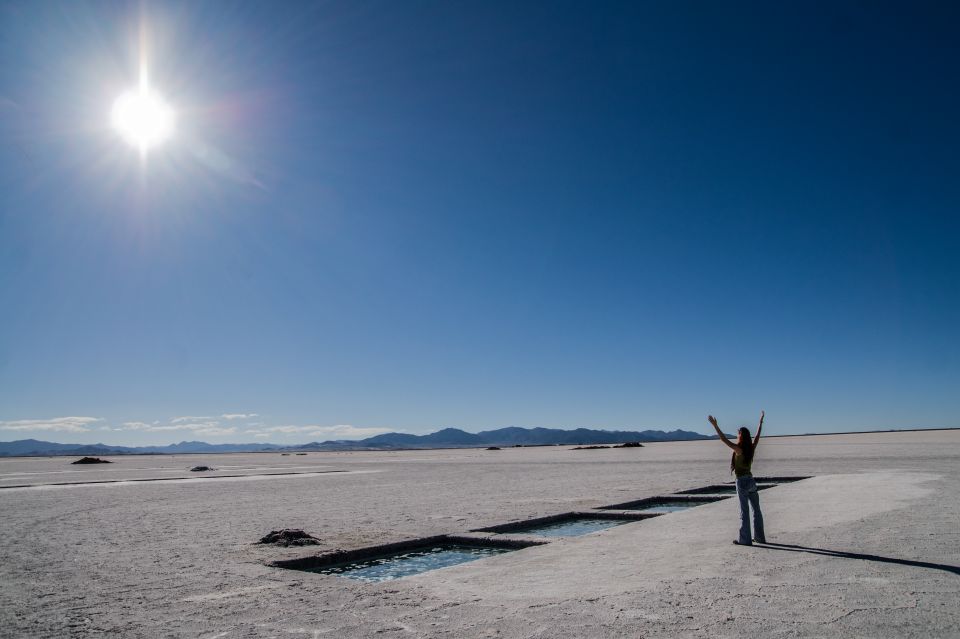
(741, 467)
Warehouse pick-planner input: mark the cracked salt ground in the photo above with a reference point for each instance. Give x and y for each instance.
(126, 559)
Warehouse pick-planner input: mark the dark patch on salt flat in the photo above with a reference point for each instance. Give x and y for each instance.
(289, 537)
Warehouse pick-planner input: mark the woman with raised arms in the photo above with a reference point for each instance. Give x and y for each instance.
(740, 462)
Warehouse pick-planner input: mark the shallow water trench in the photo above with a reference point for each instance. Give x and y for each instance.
(571, 527)
(671, 506)
(408, 563)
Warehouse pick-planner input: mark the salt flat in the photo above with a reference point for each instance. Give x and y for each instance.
(871, 543)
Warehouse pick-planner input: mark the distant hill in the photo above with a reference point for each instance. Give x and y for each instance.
(510, 436)
(442, 438)
(446, 438)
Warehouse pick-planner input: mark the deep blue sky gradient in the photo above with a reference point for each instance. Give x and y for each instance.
(412, 215)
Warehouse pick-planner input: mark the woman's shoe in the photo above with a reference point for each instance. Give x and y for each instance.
(740, 543)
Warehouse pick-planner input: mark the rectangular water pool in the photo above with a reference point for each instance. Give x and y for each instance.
(412, 562)
(570, 524)
(404, 559)
(670, 507)
(674, 505)
(661, 505)
(572, 527)
(779, 480)
(719, 489)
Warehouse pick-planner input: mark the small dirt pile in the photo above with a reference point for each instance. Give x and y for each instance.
(92, 460)
(629, 445)
(289, 537)
(201, 469)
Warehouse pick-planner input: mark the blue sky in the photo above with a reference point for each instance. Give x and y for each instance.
(407, 216)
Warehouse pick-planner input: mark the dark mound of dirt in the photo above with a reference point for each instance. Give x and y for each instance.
(494, 448)
(301, 453)
(629, 445)
(92, 460)
(284, 454)
(589, 447)
(200, 469)
(289, 537)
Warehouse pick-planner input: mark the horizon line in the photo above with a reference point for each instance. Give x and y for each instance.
(294, 445)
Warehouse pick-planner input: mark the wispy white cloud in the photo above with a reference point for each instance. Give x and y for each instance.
(224, 424)
(340, 431)
(283, 429)
(202, 428)
(209, 427)
(134, 426)
(56, 424)
(191, 418)
(216, 430)
(208, 418)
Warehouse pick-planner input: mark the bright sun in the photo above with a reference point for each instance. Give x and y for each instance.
(142, 118)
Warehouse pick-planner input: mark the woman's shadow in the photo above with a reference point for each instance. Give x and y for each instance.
(855, 555)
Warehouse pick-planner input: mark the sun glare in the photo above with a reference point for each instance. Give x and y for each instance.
(142, 118)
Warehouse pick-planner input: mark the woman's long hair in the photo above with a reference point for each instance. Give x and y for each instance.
(746, 447)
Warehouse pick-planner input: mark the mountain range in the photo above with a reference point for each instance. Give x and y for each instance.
(446, 438)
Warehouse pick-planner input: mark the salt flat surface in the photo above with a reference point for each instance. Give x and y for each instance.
(871, 545)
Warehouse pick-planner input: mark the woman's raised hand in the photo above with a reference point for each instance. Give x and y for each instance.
(713, 420)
